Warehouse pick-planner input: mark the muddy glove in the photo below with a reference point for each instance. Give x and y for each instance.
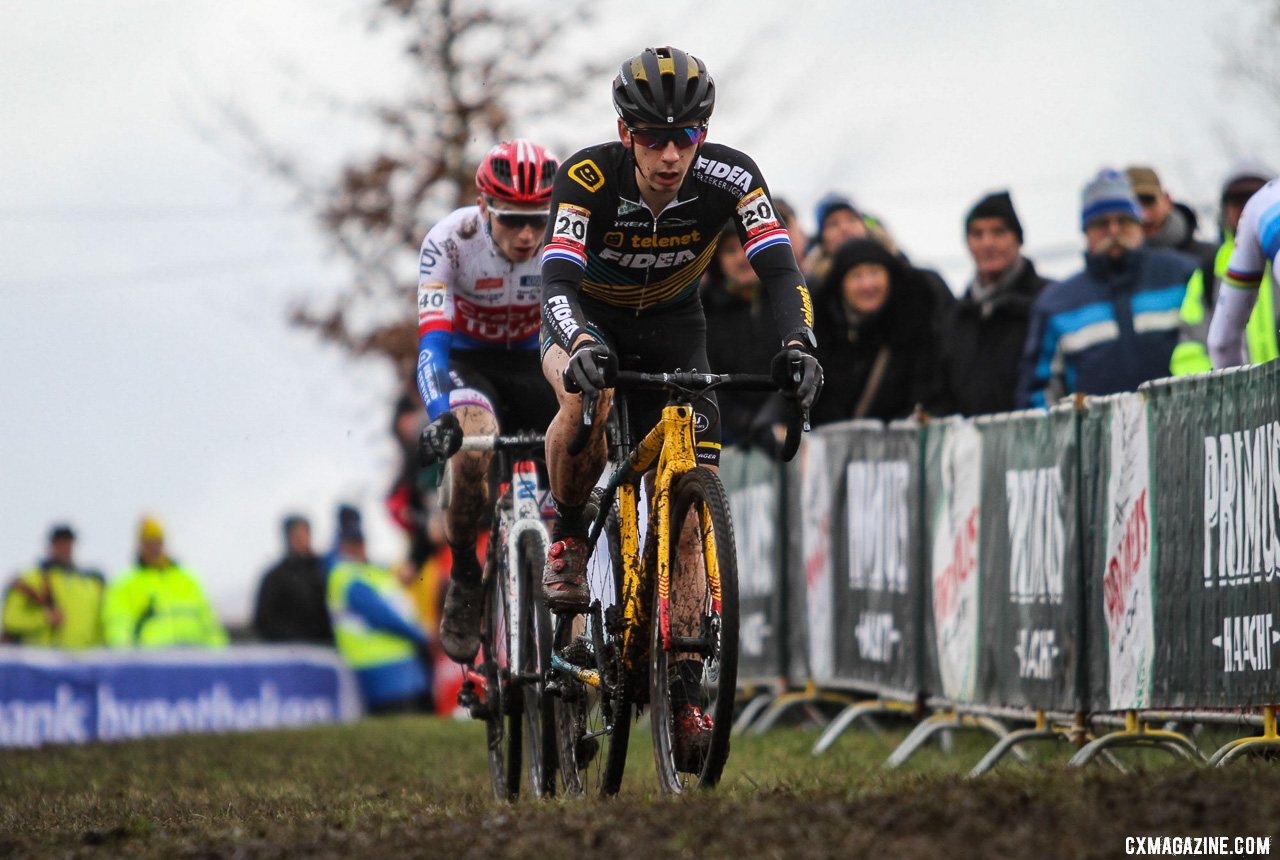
(591, 368)
(440, 440)
(795, 370)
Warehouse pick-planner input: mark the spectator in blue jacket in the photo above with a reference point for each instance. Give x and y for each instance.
(1114, 325)
(377, 630)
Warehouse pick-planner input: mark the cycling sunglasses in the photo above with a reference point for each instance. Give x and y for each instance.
(657, 138)
(519, 220)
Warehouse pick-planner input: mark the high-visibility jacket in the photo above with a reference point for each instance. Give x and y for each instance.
(55, 607)
(1191, 355)
(362, 645)
(376, 631)
(159, 607)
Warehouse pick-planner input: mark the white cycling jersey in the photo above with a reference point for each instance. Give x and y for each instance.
(1257, 244)
(470, 297)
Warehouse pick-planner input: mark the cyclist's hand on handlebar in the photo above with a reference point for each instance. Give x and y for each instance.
(440, 439)
(591, 368)
(796, 371)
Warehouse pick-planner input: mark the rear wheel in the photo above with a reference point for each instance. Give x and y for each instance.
(593, 723)
(503, 709)
(699, 665)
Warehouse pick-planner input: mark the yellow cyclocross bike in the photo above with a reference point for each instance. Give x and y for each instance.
(654, 612)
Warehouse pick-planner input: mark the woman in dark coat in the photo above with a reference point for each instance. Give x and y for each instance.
(876, 339)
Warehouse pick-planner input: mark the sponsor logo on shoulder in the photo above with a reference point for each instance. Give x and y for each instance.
(587, 174)
(721, 175)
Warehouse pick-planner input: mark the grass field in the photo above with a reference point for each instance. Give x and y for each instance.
(417, 787)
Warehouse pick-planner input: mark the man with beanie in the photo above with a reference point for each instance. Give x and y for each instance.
(1191, 355)
(1165, 222)
(986, 329)
(1113, 326)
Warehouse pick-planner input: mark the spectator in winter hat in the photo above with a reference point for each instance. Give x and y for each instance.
(1112, 326)
(1166, 223)
(838, 221)
(984, 332)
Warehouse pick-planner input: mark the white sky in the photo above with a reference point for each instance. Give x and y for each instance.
(144, 272)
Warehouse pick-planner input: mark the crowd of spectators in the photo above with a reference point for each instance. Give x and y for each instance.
(893, 339)
(380, 620)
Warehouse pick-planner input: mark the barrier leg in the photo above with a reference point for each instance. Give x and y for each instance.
(852, 714)
(946, 721)
(750, 711)
(1136, 734)
(806, 698)
(1268, 740)
(1042, 731)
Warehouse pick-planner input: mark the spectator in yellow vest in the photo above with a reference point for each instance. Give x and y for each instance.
(55, 604)
(376, 629)
(158, 603)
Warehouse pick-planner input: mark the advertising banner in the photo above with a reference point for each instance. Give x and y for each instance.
(1119, 547)
(62, 697)
(953, 516)
(876, 558)
(1029, 557)
(822, 458)
(1215, 522)
(754, 484)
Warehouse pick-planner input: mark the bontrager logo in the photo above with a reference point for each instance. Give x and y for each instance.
(722, 175)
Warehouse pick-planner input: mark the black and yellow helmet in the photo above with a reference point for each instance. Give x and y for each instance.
(664, 85)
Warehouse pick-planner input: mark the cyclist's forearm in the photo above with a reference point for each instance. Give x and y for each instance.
(433, 371)
(561, 310)
(788, 296)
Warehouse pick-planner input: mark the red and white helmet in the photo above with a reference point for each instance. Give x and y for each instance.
(517, 172)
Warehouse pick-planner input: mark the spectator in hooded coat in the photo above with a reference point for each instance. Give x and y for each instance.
(876, 338)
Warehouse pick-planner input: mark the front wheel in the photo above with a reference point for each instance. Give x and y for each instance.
(694, 667)
(535, 659)
(504, 707)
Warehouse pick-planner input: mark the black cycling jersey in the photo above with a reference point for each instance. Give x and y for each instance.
(604, 241)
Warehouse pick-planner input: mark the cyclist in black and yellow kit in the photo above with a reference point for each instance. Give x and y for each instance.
(634, 224)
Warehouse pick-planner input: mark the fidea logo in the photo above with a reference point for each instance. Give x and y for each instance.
(1242, 506)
